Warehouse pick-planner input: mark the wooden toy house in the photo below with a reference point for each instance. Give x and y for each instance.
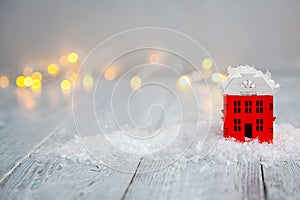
(248, 110)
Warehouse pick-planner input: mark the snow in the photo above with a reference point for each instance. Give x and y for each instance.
(285, 146)
(213, 147)
(249, 72)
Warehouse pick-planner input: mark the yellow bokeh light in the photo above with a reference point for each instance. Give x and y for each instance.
(37, 76)
(36, 85)
(27, 71)
(28, 81)
(110, 74)
(207, 63)
(65, 86)
(73, 57)
(218, 77)
(135, 82)
(53, 69)
(184, 82)
(63, 61)
(87, 82)
(154, 59)
(20, 81)
(4, 82)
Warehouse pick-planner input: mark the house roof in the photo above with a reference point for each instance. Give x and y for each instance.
(246, 80)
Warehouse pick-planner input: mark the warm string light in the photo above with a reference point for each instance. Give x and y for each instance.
(27, 71)
(28, 81)
(34, 79)
(65, 86)
(135, 82)
(73, 57)
(184, 82)
(4, 81)
(20, 81)
(218, 77)
(88, 82)
(53, 69)
(110, 74)
(37, 76)
(154, 59)
(207, 63)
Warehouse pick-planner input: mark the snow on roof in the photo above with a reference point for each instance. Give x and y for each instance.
(246, 79)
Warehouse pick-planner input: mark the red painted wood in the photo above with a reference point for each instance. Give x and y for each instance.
(230, 114)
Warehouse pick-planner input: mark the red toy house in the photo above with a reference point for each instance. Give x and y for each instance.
(248, 104)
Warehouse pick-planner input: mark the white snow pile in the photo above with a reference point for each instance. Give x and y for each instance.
(239, 71)
(120, 147)
(286, 145)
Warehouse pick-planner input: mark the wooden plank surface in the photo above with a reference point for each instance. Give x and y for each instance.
(202, 180)
(282, 179)
(25, 128)
(47, 176)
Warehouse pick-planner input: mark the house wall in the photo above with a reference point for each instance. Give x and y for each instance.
(264, 132)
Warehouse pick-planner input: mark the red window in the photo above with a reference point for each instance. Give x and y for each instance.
(248, 106)
(237, 106)
(259, 106)
(259, 124)
(237, 125)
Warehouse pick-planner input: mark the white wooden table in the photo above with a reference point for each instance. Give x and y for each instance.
(28, 171)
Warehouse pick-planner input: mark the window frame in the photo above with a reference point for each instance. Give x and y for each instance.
(248, 106)
(237, 106)
(236, 124)
(259, 106)
(259, 124)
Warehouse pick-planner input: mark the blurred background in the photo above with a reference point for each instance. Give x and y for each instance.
(45, 36)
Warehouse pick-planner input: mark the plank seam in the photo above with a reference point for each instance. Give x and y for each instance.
(263, 182)
(28, 155)
(132, 178)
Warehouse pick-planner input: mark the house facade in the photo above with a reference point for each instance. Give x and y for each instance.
(248, 105)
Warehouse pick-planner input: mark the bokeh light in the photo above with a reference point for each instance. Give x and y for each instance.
(135, 82)
(63, 61)
(206, 64)
(53, 69)
(88, 82)
(65, 86)
(218, 77)
(73, 57)
(37, 76)
(20, 81)
(36, 85)
(28, 81)
(110, 74)
(184, 82)
(4, 82)
(27, 71)
(154, 59)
